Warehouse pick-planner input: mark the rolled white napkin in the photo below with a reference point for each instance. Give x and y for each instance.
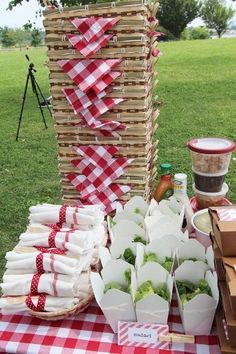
(49, 283)
(25, 263)
(17, 304)
(48, 213)
(80, 242)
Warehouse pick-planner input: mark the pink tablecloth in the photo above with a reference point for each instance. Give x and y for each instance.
(87, 332)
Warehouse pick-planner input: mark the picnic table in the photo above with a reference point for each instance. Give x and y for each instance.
(88, 333)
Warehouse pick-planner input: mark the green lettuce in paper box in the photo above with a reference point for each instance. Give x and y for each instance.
(152, 292)
(194, 251)
(127, 229)
(125, 249)
(159, 251)
(111, 290)
(198, 296)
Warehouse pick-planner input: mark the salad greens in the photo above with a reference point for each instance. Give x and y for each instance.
(152, 257)
(128, 256)
(147, 288)
(137, 211)
(188, 290)
(115, 285)
(139, 238)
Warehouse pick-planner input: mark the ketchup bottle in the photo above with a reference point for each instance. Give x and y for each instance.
(165, 187)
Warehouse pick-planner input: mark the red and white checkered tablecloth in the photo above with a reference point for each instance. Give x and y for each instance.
(87, 333)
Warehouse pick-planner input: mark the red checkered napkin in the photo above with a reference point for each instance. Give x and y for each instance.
(86, 73)
(100, 178)
(106, 81)
(98, 108)
(106, 197)
(94, 27)
(97, 154)
(85, 48)
(80, 100)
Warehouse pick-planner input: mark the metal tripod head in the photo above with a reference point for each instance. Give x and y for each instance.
(31, 71)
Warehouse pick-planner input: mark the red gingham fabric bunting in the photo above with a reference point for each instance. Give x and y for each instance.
(85, 48)
(80, 100)
(111, 170)
(86, 73)
(97, 179)
(40, 305)
(105, 81)
(94, 27)
(99, 107)
(109, 195)
(97, 154)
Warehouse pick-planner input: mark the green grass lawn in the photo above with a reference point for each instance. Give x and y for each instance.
(196, 90)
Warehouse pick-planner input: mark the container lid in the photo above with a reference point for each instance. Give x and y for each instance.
(211, 145)
(216, 174)
(224, 191)
(165, 168)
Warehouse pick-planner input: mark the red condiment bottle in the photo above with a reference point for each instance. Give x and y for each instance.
(165, 187)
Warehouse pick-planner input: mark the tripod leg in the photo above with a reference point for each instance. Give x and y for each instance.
(22, 107)
(43, 97)
(35, 90)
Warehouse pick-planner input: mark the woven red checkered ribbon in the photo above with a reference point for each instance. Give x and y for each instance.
(51, 239)
(85, 48)
(93, 28)
(50, 250)
(39, 263)
(40, 304)
(62, 214)
(34, 284)
(86, 73)
(80, 100)
(97, 154)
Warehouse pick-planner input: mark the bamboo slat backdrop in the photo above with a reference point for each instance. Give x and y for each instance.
(132, 43)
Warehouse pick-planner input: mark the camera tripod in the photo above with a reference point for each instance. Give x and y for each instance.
(37, 91)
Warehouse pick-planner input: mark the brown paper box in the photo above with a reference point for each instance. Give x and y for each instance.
(230, 321)
(218, 261)
(224, 232)
(231, 282)
(224, 343)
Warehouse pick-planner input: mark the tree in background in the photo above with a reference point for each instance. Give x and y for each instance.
(36, 37)
(7, 37)
(174, 15)
(20, 36)
(216, 16)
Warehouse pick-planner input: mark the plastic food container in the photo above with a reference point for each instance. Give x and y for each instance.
(193, 203)
(211, 155)
(206, 200)
(202, 226)
(211, 182)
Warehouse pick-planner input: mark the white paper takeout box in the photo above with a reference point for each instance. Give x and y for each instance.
(115, 304)
(136, 205)
(165, 247)
(158, 226)
(198, 314)
(127, 229)
(194, 249)
(119, 245)
(152, 308)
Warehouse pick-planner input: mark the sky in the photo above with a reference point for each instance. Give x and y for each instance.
(22, 13)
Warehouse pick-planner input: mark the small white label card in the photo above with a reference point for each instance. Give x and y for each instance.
(144, 335)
